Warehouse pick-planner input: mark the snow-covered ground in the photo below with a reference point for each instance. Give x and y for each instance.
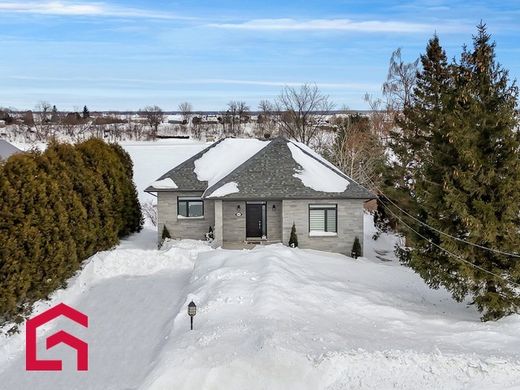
(268, 318)
(153, 159)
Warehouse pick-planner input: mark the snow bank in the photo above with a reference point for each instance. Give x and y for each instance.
(226, 189)
(315, 175)
(222, 159)
(105, 266)
(279, 318)
(269, 318)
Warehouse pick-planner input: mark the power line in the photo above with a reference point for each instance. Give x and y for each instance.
(435, 229)
(458, 257)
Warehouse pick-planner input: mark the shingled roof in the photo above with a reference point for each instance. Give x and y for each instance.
(271, 173)
(184, 176)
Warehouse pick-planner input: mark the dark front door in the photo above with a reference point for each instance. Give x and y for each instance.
(256, 220)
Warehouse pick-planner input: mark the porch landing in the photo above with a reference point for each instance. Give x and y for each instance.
(249, 244)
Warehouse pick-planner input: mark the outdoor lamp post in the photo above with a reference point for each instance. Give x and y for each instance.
(192, 310)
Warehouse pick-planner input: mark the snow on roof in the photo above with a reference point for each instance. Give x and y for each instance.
(164, 184)
(307, 149)
(315, 175)
(221, 160)
(226, 189)
(7, 149)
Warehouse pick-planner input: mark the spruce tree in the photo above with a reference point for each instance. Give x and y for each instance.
(482, 189)
(461, 176)
(86, 112)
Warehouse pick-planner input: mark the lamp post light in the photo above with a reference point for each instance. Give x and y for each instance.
(192, 310)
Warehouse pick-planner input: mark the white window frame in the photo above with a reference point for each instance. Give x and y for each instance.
(327, 231)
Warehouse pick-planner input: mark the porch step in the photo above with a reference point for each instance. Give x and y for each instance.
(262, 242)
(249, 244)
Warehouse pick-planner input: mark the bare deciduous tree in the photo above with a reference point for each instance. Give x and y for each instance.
(358, 150)
(237, 113)
(380, 116)
(302, 112)
(400, 81)
(43, 117)
(186, 109)
(149, 210)
(154, 116)
(264, 121)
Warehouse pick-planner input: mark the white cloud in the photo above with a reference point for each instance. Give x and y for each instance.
(217, 81)
(73, 8)
(288, 24)
(361, 86)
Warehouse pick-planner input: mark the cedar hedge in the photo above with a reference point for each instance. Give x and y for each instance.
(57, 208)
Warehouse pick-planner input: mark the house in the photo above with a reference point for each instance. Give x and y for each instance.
(253, 191)
(7, 150)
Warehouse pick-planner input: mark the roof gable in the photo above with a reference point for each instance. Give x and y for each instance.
(208, 166)
(284, 170)
(254, 169)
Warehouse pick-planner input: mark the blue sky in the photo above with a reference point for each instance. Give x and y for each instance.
(122, 55)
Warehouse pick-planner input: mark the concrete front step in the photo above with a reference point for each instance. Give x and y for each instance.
(249, 244)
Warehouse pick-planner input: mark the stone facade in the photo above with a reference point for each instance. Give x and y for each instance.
(349, 220)
(229, 221)
(192, 228)
(234, 226)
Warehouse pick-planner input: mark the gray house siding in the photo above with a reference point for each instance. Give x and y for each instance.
(192, 228)
(279, 221)
(274, 220)
(349, 220)
(235, 226)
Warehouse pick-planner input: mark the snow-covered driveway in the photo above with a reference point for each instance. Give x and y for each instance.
(129, 318)
(131, 297)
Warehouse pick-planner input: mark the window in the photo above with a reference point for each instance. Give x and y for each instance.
(190, 207)
(323, 218)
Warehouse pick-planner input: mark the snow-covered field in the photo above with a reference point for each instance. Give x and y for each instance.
(268, 318)
(152, 159)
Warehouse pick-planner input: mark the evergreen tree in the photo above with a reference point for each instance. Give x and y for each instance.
(356, 248)
(64, 165)
(461, 175)
(131, 209)
(293, 239)
(165, 233)
(86, 112)
(56, 209)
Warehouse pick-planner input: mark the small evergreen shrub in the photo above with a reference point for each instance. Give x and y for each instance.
(210, 236)
(165, 233)
(293, 239)
(356, 249)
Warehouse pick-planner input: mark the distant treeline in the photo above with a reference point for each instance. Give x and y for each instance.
(57, 208)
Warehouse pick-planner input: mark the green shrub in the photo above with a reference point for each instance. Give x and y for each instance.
(57, 208)
(165, 233)
(356, 249)
(293, 239)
